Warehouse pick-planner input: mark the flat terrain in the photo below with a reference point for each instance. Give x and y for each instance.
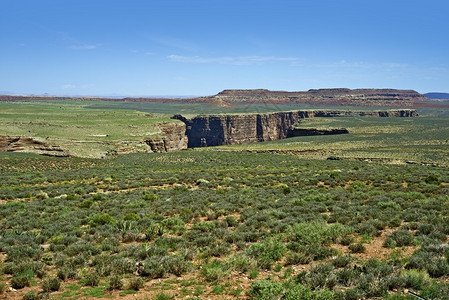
(79, 130)
(393, 140)
(258, 221)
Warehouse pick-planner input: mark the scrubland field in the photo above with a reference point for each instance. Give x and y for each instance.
(275, 220)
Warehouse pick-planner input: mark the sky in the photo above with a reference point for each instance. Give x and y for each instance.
(200, 47)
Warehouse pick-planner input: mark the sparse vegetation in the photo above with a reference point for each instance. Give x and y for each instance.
(222, 223)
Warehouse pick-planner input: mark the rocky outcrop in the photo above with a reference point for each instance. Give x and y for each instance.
(173, 137)
(214, 130)
(30, 145)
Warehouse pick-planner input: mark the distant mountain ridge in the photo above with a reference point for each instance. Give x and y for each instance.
(320, 97)
(335, 96)
(437, 96)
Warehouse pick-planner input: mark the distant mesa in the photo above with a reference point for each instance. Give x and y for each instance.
(337, 96)
(437, 96)
(334, 97)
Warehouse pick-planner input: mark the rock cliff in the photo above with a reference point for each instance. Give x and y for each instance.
(30, 145)
(173, 138)
(214, 130)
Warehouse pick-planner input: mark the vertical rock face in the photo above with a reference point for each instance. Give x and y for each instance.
(173, 138)
(215, 130)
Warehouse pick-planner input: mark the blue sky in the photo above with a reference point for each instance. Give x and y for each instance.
(200, 47)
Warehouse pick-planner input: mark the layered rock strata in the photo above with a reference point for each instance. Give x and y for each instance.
(30, 145)
(214, 130)
(173, 138)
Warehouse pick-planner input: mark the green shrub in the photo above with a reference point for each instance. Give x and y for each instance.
(162, 296)
(395, 282)
(135, 283)
(32, 295)
(3, 287)
(433, 179)
(91, 279)
(341, 261)
(150, 196)
(317, 233)
(265, 290)
(354, 294)
(357, 248)
(204, 226)
(389, 205)
(67, 273)
(402, 237)
(131, 217)
(20, 281)
(86, 204)
(320, 276)
(115, 283)
(416, 279)
(389, 243)
(302, 258)
(102, 219)
(347, 276)
(299, 291)
(215, 271)
(51, 285)
(241, 262)
(253, 273)
(267, 252)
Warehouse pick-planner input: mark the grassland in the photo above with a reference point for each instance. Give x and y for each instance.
(394, 140)
(216, 225)
(274, 220)
(76, 128)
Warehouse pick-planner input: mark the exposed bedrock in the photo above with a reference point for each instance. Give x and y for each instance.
(173, 138)
(214, 130)
(30, 145)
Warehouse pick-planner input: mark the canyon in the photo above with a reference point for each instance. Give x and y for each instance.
(186, 131)
(215, 130)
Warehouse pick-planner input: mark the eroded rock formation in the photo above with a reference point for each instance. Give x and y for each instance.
(214, 130)
(30, 145)
(173, 138)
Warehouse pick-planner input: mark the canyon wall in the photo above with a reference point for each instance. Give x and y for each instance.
(173, 138)
(214, 130)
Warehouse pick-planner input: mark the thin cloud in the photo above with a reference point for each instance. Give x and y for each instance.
(68, 86)
(361, 64)
(85, 47)
(232, 60)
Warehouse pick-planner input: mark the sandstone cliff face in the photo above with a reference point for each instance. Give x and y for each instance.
(173, 138)
(214, 130)
(30, 145)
